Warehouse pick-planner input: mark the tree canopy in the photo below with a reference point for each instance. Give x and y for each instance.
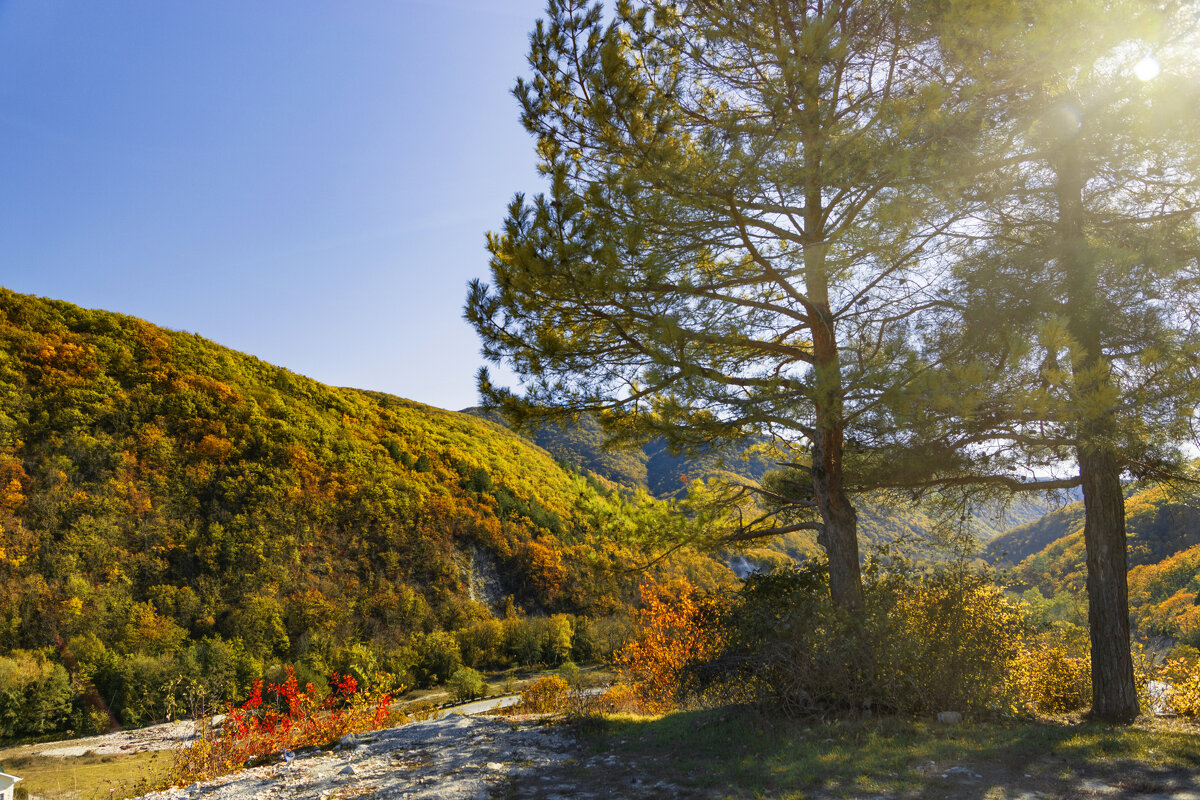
(735, 230)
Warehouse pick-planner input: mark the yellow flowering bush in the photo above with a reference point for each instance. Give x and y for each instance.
(546, 695)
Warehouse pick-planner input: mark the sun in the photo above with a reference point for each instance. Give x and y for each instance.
(1147, 68)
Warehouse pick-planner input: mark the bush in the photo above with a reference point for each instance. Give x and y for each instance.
(546, 695)
(438, 658)
(35, 694)
(935, 639)
(466, 684)
(677, 631)
(288, 717)
(1051, 679)
(1183, 676)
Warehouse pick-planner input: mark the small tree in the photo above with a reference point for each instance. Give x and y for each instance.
(466, 684)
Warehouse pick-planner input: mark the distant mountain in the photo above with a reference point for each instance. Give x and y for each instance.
(1159, 523)
(652, 467)
(1017, 544)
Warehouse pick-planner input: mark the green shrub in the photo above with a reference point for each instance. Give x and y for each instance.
(466, 684)
(482, 644)
(438, 658)
(936, 639)
(35, 694)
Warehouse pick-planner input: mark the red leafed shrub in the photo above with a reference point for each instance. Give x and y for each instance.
(288, 718)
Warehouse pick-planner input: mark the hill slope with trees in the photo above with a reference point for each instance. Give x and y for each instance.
(1164, 555)
(170, 507)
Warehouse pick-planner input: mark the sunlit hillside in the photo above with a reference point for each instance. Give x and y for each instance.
(161, 495)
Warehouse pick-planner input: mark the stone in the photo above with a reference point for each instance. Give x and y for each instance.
(950, 717)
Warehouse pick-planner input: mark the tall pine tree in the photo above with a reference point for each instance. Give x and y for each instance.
(735, 230)
(1077, 279)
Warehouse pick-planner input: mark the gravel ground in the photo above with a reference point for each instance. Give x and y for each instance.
(454, 758)
(155, 737)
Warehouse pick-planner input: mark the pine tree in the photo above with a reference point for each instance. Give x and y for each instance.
(734, 229)
(1077, 281)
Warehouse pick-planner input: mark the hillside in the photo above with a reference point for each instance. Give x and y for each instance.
(1163, 527)
(1022, 541)
(1159, 523)
(167, 503)
(581, 445)
(665, 474)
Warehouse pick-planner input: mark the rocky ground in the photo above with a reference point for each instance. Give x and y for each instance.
(468, 758)
(459, 757)
(453, 758)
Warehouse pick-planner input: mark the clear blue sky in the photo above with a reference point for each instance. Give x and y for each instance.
(306, 181)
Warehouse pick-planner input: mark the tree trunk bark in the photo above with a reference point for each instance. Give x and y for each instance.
(839, 534)
(1114, 695)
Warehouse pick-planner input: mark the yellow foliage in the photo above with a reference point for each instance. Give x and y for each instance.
(1050, 679)
(546, 695)
(1184, 679)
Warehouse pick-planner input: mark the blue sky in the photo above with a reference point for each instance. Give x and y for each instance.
(309, 182)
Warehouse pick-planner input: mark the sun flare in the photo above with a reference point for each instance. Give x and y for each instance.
(1147, 69)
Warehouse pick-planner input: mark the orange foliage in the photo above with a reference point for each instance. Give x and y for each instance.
(674, 633)
(542, 566)
(1163, 596)
(214, 447)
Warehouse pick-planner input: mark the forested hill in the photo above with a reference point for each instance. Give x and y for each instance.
(1163, 527)
(1159, 523)
(653, 467)
(159, 491)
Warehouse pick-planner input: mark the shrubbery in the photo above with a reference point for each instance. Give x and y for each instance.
(930, 639)
(35, 694)
(925, 640)
(286, 718)
(466, 684)
(1051, 678)
(546, 695)
(677, 632)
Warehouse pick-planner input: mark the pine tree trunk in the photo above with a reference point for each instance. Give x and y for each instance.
(1114, 696)
(839, 535)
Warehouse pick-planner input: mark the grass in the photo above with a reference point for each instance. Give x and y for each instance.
(87, 777)
(742, 754)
